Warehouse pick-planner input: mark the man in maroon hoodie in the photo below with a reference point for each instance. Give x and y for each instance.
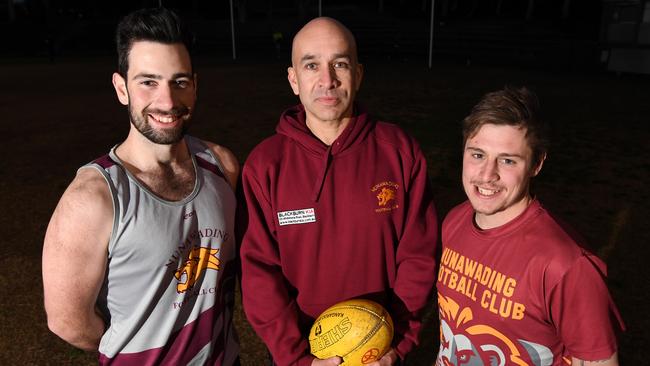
(338, 205)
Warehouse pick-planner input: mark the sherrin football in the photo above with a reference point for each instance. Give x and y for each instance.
(359, 331)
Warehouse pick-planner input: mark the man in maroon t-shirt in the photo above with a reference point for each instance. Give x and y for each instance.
(515, 287)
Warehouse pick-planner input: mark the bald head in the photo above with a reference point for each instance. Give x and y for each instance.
(320, 30)
(325, 73)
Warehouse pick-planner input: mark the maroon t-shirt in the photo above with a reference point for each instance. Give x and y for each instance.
(524, 293)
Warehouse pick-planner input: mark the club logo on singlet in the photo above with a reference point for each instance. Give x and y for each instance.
(386, 194)
(198, 260)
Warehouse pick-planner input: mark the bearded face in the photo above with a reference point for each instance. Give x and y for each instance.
(173, 123)
(159, 90)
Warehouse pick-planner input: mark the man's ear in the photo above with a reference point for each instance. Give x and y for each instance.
(120, 88)
(196, 84)
(359, 72)
(537, 168)
(293, 81)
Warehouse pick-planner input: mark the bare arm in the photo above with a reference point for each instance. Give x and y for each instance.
(612, 361)
(228, 162)
(74, 260)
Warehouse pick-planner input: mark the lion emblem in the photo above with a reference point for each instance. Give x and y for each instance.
(467, 344)
(197, 261)
(385, 195)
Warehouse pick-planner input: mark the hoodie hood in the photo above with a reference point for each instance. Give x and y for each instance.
(293, 125)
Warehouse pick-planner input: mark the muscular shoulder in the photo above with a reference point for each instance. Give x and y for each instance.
(228, 161)
(84, 211)
(89, 189)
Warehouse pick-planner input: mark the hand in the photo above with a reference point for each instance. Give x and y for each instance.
(332, 361)
(386, 360)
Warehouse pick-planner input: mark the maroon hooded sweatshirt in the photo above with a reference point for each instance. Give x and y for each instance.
(330, 223)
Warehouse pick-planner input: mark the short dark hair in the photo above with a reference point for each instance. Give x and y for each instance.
(154, 24)
(511, 106)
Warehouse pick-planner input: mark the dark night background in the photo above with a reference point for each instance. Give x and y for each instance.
(588, 60)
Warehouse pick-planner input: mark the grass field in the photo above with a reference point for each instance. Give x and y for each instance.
(60, 116)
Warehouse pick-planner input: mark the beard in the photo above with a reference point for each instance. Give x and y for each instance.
(166, 136)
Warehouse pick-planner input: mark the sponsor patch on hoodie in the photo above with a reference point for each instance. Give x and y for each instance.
(293, 217)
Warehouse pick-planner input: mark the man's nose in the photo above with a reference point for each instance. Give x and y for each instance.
(166, 97)
(328, 78)
(490, 171)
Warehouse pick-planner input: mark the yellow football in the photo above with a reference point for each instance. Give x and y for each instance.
(359, 331)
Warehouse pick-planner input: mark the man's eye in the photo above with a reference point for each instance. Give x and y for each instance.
(310, 66)
(507, 161)
(182, 83)
(477, 155)
(341, 65)
(148, 83)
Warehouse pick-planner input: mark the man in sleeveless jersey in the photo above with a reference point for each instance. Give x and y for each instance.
(515, 286)
(139, 256)
(339, 207)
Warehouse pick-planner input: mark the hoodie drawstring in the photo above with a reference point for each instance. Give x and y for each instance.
(318, 185)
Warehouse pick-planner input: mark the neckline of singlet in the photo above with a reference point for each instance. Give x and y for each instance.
(153, 195)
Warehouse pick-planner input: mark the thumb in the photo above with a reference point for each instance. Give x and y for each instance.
(332, 361)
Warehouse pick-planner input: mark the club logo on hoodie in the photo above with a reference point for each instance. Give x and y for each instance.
(386, 194)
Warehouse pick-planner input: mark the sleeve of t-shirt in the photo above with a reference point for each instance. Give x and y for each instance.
(583, 312)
